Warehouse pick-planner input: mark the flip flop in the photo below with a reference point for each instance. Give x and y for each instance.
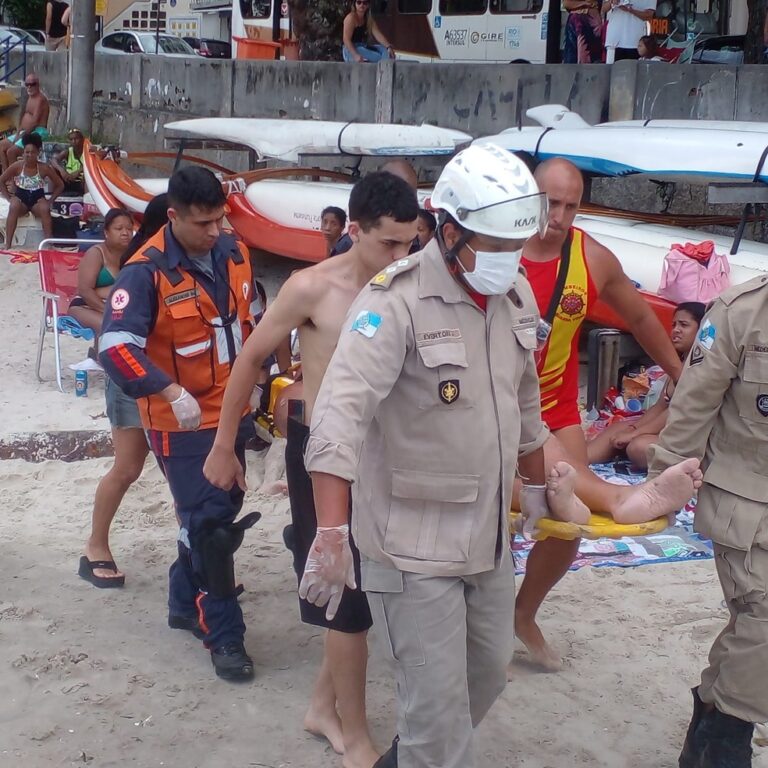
(87, 567)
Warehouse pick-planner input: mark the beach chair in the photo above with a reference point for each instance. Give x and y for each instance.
(58, 285)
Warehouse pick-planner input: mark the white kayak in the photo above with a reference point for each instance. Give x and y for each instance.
(641, 248)
(697, 155)
(299, 203)
(559, 116)
(289, 139)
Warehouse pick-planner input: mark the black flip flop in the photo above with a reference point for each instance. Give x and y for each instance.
(87, 567)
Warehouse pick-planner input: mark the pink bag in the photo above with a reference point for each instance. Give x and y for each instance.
(686, 276)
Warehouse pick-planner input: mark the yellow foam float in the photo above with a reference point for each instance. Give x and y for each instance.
(598, 527)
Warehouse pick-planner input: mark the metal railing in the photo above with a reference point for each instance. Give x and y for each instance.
(7, 44)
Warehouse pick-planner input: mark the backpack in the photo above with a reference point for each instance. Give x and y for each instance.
(694, 272)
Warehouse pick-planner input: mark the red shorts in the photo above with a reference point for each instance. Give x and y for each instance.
(563, 414)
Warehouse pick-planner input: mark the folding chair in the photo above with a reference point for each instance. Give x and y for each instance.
(58, 284)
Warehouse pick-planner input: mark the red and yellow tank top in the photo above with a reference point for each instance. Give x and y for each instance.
(558, 362)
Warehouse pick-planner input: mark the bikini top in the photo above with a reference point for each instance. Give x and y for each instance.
(30, 183)
(105, 278)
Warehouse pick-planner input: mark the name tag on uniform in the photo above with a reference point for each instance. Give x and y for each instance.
(175, 298)
(435, 337)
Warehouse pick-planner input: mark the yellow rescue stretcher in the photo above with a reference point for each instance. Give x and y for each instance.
(598, 527)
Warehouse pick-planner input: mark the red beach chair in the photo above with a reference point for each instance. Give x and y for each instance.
(58, 286)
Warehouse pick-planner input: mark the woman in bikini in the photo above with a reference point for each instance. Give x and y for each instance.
(98, 270)
(363, 40)
(635, 439)
(29, 176)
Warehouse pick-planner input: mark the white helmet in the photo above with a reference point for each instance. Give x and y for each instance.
(489, 191)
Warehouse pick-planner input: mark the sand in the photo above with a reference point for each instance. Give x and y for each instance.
(94, 677)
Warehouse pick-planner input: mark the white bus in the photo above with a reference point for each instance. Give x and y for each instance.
(500, 31)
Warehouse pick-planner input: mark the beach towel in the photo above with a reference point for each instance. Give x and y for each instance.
(69, 325)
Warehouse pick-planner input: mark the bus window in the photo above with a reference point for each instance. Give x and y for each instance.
(463, 7)
(414, 6)
(255, 9)
(516, 6)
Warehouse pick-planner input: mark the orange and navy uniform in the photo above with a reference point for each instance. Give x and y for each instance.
(167, 320)
(170, 319)
(558, 361)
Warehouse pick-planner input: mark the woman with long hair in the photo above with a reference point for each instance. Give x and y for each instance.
(363, 40)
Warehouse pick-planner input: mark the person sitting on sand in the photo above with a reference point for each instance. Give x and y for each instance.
(98, 269)
(332, 223)
(29, 176)
(637, 437)
(97, 565)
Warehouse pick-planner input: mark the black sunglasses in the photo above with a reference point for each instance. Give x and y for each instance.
(34, 82)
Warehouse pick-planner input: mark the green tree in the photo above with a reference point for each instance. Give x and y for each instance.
(27, 14)
(317, 25)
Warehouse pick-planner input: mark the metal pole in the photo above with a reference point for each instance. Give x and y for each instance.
(80, 66)
(157, 27)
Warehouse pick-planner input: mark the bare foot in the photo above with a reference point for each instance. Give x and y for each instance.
(539, 651)
(278, 488)
(362, 756)
(563, 502)
(663, 495)
(326, 725)
(102, 553)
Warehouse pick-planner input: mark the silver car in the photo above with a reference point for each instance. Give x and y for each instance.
(11, 35)
(143, 42)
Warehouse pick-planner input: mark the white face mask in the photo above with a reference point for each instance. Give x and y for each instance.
(494, 273)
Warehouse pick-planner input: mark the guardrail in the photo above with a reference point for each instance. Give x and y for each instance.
(7, 44)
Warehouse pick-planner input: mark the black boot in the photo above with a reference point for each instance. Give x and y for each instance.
(693, 747)
(389, 758)
(729, 741)
(190, 623)
(231, 662)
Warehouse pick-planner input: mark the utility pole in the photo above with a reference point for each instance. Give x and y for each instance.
(157, 27)
(80, 66)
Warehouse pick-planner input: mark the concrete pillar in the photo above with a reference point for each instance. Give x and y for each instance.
(385, 91)
(622, 92)
(80, 66)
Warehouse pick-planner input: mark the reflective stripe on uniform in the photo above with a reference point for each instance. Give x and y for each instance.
(115, 338)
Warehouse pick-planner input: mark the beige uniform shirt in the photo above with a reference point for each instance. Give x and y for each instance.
(425, 407)
(719, 413)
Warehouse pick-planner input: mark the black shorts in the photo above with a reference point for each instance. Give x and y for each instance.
(353, 614)
(30, 197)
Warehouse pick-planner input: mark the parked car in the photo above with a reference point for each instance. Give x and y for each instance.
(211, 49)
(16, 35)
(38, 34)
(722, 49)
(143, 42)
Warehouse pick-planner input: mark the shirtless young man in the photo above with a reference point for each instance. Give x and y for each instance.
(382, 225)
(594, 272)
(35, 118)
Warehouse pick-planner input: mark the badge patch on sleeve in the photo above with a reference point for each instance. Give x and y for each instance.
(120, 299)
(367, 323)
(450, 390)
(707, 335)
(762, 405)
(697, 355)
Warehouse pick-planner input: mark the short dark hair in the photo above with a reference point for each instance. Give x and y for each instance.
(694, 308)
(194, 185)
(335, 211)
(33, 139)
(428, 218)
(116, 213)
(380, 194)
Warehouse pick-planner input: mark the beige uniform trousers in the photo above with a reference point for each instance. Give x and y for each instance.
(450, 639)
(736, 680)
